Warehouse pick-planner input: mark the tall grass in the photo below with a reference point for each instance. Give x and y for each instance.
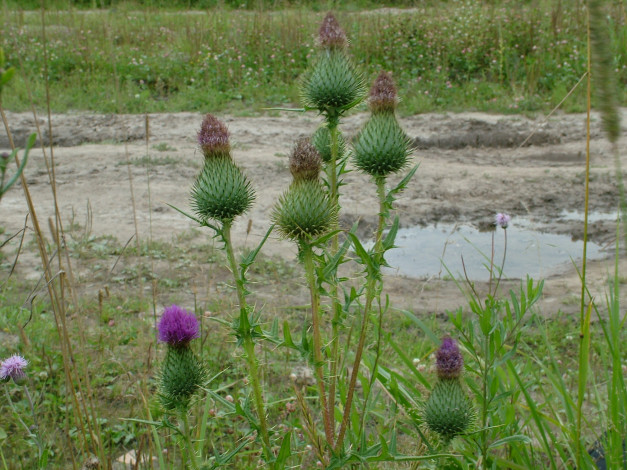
(503, 57)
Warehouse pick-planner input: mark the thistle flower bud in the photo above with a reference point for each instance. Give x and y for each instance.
(304, 211)
(449, 360)
(305, 161)
(332, 85)
(383, 95)
(448, 411)
(13, 368)
(182, 373)
(221, 191)
(322, 141)
(381, 147)
(213, 137)
(331, 35)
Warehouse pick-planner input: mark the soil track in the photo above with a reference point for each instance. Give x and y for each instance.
(472, 165)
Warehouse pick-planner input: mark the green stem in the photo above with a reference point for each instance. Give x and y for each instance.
(337, 307)
(317, 340)
(370, 288)
(484, 408)
(378, 253)
(187, 449)
(249, 344)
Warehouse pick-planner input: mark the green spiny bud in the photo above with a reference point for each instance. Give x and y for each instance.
(181, 375)
(304, 211)
(448, 411)
(322, 141)
(305, 161)
(332, 85)
(381, 147)
(221, 191)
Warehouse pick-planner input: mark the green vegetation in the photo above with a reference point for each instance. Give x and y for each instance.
(503, 56)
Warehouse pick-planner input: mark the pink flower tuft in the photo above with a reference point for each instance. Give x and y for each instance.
(13, 368)
(449, 360)
(331, 34)
(502, 220)
(213, 137)
(177, 326)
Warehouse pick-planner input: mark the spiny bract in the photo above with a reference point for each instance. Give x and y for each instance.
(382, 147)
(332, 83)
(322, 141)
(448, 411)
(181, 375)
(221, 191)
(304, 211)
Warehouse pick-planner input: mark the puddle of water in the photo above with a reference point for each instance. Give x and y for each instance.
(425, 251)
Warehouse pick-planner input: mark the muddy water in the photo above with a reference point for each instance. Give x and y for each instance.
(463, 251)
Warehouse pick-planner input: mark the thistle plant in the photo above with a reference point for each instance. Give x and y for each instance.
(302, 214)
(182, 374)
(220, 194)
(12, 369)
(380, 149)
(448, 411)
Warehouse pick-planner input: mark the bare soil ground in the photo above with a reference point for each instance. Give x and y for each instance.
(472, 165)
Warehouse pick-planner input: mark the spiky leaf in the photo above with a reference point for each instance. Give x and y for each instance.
(221, 191)
(381, 147)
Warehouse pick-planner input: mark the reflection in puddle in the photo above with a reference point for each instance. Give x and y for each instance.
(429, 251)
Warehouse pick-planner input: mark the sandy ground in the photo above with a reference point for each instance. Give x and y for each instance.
(472, 165)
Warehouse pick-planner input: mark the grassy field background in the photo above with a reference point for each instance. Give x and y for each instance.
(505, 56)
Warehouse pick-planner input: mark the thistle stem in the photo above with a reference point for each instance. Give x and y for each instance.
(187, 450)
(337, 307)
(378, 253)
(371, 293)
(317, 341)
(249, 344)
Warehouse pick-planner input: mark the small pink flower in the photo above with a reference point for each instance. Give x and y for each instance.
(502, 219)
(13, 368)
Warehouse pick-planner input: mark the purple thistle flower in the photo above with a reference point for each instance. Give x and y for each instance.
(449, 360)
(383, 96)
(331, 34)
(502, 220)
(177, 327)
(13, 368)
(213, 137)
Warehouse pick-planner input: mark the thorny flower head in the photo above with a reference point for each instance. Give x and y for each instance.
(213, 137)
(449, 360)
(13, 368)
(383, 95)
(331, 34)
(502, 220)
(305, 161)
(177, 327)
